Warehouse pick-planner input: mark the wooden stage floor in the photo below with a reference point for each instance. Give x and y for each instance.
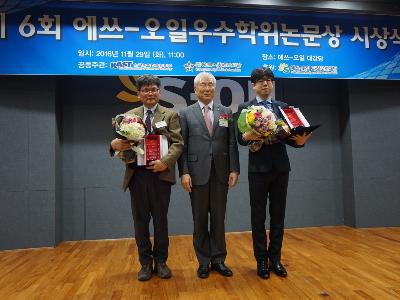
(325, 262)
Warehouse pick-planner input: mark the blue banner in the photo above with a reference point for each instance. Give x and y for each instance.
(72, 38)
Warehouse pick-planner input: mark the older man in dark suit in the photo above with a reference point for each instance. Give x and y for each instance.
(268, 174)
(150, 186)
(208, 166)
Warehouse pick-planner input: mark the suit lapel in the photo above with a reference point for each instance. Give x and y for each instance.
(159, 115)
(253, 102)
(141, 112)
(217, 113)
(199, 115)
(275, 107)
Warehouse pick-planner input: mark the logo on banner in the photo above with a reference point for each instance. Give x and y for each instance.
(131, 94)
(203, 66)
(284, 68)
(189, 66)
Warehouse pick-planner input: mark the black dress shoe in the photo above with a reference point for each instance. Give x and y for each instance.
(203, 271)
(162, 270)
(145, 272)
(262, 269)
(221, 269)
(278, 269)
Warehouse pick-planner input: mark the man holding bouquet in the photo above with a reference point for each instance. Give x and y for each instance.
(150, 185)
(268, 175)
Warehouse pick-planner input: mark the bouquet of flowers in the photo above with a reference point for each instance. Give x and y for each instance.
(129, 127)
(264, 123)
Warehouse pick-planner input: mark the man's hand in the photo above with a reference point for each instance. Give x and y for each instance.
(186, 182)
(120, 145)
(157, 166)
(301, 139)
(251, 136)
(233, 178)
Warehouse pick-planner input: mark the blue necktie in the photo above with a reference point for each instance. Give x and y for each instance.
(267, 105)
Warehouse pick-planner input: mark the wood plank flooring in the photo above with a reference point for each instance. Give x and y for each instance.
(325, 262)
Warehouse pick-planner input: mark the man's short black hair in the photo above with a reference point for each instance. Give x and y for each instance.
(260, 73)
(147, 79)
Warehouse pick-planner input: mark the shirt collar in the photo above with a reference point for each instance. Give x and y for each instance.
(210, 105)
(153, 110)
(269, 99)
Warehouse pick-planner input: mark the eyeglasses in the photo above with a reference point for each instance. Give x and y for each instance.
(150, 91)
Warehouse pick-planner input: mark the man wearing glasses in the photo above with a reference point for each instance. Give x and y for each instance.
(268, 175)
(150, 186)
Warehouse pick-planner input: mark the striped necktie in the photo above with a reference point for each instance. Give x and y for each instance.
(148, 121)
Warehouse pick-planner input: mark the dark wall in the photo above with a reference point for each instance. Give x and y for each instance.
(374, 124)
(315, 195)
(57, 181)
(28, 201)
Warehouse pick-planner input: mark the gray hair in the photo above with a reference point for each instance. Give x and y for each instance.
(202, 74)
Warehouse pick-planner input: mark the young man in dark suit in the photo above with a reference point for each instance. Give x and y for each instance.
(268, 174)
(150, 186)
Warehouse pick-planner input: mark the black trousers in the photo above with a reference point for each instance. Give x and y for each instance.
(263, 186)
(209, 200)
(150, 197)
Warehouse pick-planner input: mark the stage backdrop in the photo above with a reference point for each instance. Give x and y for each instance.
(78, 38)
(58, 181)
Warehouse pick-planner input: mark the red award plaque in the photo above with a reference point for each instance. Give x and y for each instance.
(152, 147)
(296, 120)
(155, 147)
(293, 117)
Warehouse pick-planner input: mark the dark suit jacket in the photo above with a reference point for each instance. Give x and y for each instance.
(269, 156)
(200, 148)
(173, 133)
